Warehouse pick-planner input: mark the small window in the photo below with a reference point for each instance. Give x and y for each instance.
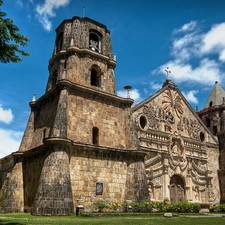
(207, 122)
(95, 136)
(214, 130)
(202, 136)
(210, 104)
(95, 76)
(143, 122)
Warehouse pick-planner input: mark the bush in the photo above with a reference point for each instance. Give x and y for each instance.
(183, 207)
(217, 208)
(99, 205)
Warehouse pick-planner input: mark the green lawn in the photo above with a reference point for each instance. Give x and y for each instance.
(22, 218)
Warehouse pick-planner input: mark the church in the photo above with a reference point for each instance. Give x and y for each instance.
(83, 143)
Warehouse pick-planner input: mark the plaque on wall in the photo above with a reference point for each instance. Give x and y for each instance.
(99, 188)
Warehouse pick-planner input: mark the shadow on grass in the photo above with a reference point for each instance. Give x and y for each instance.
(9, 223)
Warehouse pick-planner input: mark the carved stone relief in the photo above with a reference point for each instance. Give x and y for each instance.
(172, 102)
(192, 126)
(177, 152)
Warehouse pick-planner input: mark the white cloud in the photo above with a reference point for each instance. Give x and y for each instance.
(6, 115)
(190, 96)
(11, 140)
(134, 94)
(155, 86)
(195, 54)
(47, 11)
(186, 27)
(214, 41)
(207, 72)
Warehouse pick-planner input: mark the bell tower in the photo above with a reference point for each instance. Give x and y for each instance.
(83, 55)
(79, 133)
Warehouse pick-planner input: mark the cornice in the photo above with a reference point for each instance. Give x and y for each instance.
(74, 49)
(82, 90)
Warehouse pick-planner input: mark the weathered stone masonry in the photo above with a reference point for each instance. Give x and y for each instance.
(79, 132)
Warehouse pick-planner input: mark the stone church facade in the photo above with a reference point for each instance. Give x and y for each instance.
(180, 151)
(82, 141)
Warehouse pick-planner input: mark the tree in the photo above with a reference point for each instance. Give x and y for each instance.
(10, 40)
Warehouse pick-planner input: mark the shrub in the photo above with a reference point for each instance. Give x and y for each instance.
(99, 205)
(222, 207)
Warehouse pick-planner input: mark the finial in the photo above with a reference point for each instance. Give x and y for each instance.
(167, 72)
(196, 109)
(128, 90)
(83, 11)
(114, 57)
(72, 42)
(34, 98)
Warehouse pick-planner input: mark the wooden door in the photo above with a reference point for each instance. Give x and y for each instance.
(177, 192)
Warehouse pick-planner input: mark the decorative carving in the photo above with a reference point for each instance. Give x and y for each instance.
(172, 102)
(151, 115)
(193, 127)
(177, 152)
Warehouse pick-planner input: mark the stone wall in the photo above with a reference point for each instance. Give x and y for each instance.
(86, 111)
(32, 167)
(40, 123)
(122, 175)
(13, 197)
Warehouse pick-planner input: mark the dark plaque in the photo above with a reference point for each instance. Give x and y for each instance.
(99, 188)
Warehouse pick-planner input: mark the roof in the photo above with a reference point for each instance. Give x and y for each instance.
(216, 96)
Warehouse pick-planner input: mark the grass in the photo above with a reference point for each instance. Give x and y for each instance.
(25, 218)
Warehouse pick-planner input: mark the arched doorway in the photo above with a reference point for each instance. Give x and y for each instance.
(177, 192)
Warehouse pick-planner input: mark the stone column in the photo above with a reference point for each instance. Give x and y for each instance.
(54, 192)
(166, 180)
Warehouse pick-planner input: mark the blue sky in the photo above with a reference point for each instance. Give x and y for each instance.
(147, 36)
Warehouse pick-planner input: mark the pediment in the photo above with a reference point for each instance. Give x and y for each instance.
(167, 111)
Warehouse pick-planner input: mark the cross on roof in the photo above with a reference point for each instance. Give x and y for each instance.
(167, 72)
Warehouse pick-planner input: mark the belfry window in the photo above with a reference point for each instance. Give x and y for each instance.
(95, 136)
(95, 76)
(95, 41)
(210, 104)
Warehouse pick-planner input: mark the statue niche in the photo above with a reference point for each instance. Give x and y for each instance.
(177, 152)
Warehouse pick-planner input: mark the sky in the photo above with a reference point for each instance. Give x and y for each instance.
(147, 37)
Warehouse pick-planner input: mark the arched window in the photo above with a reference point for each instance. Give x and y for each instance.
(96, 76)
(210, 104)
(95, 136)
(95, 41)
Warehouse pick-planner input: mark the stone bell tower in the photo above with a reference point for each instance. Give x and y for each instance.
(79, 140)
(213, 115)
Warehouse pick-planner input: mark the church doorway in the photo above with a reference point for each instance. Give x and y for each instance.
(177, 192)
